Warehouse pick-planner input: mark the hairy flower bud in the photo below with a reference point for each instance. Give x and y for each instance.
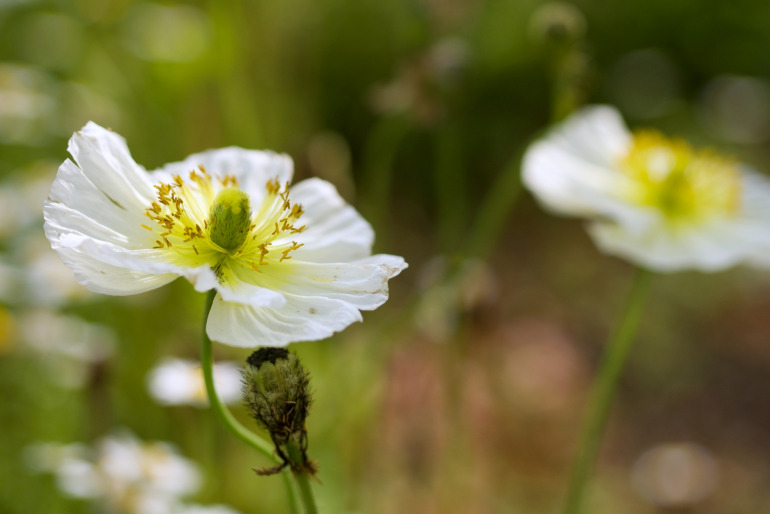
(276, 388)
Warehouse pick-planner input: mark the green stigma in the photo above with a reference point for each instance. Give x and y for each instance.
(230, 218)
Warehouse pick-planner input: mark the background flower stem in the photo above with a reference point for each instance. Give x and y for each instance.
(603, 391)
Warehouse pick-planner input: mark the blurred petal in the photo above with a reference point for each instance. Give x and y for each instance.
(649, 199)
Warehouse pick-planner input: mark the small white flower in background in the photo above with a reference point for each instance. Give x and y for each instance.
(121, 473)
(675, 474)
(67, 345)
(30, 272)
(19, 201)
(650, 199)
(180, 382)
(287, 264)
(205, 509)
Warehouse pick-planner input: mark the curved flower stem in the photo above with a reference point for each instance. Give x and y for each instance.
(294, 507)
(303, 480)
(225, 416)
(603, 391)
(220, 411)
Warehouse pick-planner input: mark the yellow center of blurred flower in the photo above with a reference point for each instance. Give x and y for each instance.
(680, 181)
(6, 331)
(195, 225)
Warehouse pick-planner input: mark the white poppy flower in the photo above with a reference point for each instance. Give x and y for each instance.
(287, 264)
(650, 199)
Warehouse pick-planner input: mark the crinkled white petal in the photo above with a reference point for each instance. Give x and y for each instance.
(362, 283)
(237, 288)
(101, 277)
(336, 232)
(62, 219)
(320, 299)
(73, 192)
(252, 168)
(101, 197)
(104, 158)
(300, 319)
(103, 258)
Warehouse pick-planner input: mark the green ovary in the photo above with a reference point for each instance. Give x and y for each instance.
(230, 219)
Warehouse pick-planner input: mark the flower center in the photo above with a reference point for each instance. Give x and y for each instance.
(680, 181)
(197, 221)
(230, 218)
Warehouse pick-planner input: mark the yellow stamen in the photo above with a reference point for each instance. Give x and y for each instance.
(680, 181)
(199, 223)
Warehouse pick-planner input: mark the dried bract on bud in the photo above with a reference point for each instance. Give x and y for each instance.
(276, 389)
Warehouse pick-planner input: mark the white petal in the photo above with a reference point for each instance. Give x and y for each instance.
(301, 319)
(335, 231)
(104, 278)
(73, 190)
(61, 219)
(755, 198)
(237, 287)
(573, 170)
(709, 247)
(252, 168)
(362, 283)
(597, 134)
(106, 162)
(95, 262)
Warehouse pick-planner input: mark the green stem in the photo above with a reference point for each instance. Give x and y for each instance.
(495, 209)
(294, 507)
(225, 416)
(220, 411)
(603, 391)
(303, 479)
(380, 151)
(449, 180)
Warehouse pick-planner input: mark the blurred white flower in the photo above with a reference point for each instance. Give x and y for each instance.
(121, 473)
(205, 509)
(675, 474)
(68, 345)
(652, 200)
(180, 382)
(296, 268)
(30, 271)
(27, 105)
